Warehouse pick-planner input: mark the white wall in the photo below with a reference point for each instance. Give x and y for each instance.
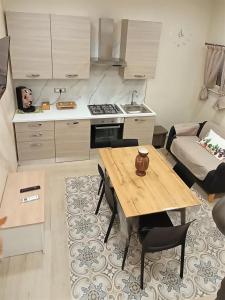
(217, 27)
(204, 110)
(7, 109)
(179, 71)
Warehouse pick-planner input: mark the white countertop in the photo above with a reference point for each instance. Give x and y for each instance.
(80, 112)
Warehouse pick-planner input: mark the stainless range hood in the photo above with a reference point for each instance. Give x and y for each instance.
(105, 45)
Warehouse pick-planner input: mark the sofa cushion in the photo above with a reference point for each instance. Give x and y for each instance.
(215, 127)
(197, 159)
(215, 144)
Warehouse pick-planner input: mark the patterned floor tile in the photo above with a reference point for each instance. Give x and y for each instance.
(95, 267)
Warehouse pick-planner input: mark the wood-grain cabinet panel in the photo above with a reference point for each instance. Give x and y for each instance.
(36, 150)
(72, 140)
(30, 47)
(139, 48)
(35, 136)
(140, 128)
(70, 47)
(34, 126)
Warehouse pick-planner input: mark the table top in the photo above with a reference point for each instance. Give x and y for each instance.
(18, 213)
(161, 189)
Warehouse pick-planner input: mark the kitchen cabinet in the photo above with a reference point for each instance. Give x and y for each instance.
(30, 45)
(140, 128)
(70, 47)
(35, 141)
(56, 140)
(45, 47)
(139, 48)
(72, 140)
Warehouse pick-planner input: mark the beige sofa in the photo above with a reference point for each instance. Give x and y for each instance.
(197, 162)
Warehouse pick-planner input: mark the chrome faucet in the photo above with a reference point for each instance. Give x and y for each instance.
(134, 92)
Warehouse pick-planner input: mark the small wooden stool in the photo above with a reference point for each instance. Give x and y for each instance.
(159, 136)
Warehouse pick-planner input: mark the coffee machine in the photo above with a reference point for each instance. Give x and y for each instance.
(24, 99)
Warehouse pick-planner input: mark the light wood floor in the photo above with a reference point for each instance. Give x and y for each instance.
(46, 277)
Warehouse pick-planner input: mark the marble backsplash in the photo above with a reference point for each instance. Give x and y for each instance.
(105, 85)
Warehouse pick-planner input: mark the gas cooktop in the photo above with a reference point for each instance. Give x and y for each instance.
(104, 109)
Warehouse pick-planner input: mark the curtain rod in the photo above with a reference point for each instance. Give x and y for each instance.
(209, 44)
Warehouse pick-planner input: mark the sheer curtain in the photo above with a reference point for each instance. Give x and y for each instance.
(214, 59)
(220, 104)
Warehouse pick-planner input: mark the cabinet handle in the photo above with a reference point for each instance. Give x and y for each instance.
(139, 76)
(72, 123)
(33, 75)
(139, 120)
(71, 75)
(35, 125)
(107, 127)
(36, 145)
(36, 135)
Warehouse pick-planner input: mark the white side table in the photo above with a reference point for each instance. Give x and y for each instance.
(23, 231)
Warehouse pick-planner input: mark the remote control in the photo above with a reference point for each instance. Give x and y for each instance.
(31, 188)
(30, 198)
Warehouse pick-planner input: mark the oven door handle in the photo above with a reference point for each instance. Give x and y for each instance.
(107, 127)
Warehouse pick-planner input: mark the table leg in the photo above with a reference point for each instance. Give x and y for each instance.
(183, 216)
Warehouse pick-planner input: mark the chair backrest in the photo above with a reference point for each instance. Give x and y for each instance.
(101, 173)
(162, 238)
(109, 195)
(124, 143)
(218, 213)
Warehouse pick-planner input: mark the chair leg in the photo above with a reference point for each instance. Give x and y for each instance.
(110, 227)
(126, 251)
(100, 201)
(100, 186)
(142, 269)
(182, 261)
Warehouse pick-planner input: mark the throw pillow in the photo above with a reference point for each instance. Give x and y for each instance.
(215, 144)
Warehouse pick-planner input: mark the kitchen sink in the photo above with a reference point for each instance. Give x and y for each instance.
(135, 108)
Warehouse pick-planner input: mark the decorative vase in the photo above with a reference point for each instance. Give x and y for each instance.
(142, 161)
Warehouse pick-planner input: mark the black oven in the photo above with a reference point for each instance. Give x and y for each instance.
(103, 131)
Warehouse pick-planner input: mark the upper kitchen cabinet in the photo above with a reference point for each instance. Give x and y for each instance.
(70, 47)
(139, 48)
(30, 45)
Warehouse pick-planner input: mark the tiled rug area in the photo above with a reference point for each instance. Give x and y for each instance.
(95, 267)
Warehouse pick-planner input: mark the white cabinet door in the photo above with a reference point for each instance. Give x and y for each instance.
(139, 48)
(30, 45)
(72, 140)
(140, 128)
(70, 47)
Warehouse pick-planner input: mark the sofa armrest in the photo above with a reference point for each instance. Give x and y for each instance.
(214, 181)
(171, 137)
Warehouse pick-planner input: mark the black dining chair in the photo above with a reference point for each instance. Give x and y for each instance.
(218, 214)
(124, 143)
(157, 233)
(101, 189)
(111, 200)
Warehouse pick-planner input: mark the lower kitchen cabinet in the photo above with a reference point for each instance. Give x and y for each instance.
(36, 150)
(72, 140)
(35, 140)
(140, 128)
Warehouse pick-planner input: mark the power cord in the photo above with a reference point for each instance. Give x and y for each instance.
(59, 97)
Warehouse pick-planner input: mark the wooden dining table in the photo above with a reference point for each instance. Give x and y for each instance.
(161, 189)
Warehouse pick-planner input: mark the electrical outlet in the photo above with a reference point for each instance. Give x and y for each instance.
(57, 90)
